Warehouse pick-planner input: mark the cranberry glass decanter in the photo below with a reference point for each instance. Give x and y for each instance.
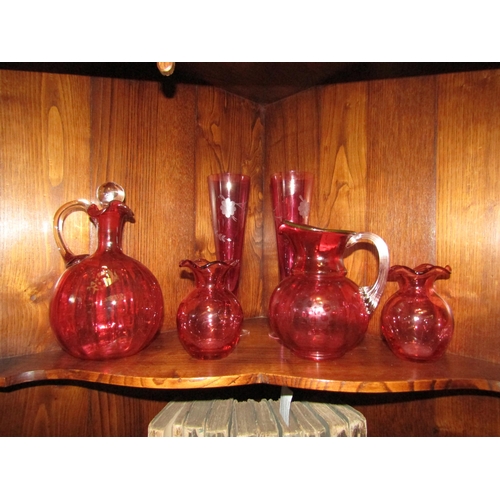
(105, 305)
(317, 311)
(210, 318)
(417, 323)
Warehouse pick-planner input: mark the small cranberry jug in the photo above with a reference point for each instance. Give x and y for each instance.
(317, 311)
(105, 305)
(417, 323)
(210, 318)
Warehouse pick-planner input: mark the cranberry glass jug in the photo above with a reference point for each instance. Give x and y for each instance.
(105, 305)
(317, 311)
(417, 323)
(210, 318)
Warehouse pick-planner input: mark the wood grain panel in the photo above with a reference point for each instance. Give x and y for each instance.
(448, 414)
(144, 141)
(401, 167)
(44, 159)
(468, 230)
(62, 410)
(171, 208)
(122, 413)
(229, 139)
(341, 180)
(467, 415)
(413, 418)
(45, 410)
(401, 186)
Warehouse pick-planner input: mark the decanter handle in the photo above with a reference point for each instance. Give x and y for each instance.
(371, 294)
(59, 217)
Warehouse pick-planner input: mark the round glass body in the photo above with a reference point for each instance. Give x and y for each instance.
(416, 322)
(210, 318)
(107, 305)
(318, 317)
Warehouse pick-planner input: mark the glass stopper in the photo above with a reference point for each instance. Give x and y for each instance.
(110, 191)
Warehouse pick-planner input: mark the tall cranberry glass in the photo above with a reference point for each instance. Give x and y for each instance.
(417, 323)
(105, 305)
(291, 200)
(229, 200)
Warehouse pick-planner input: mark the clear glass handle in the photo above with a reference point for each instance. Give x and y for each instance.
(372, 294)
(59, 218)
(106, 193)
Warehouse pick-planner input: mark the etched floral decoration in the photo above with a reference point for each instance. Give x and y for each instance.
(228, 200)
(228, 207)
(304, 208)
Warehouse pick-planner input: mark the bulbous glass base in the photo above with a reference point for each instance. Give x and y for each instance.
(416, 322)
(106, 307)
(318, 319)
(210, 318)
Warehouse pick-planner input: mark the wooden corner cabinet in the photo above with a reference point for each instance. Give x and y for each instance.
(415, 160)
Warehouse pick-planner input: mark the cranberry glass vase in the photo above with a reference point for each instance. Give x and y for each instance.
(229, 201)
(417, 323)
(105, 305)
(291, 194)
(317, 311)
(210, 318)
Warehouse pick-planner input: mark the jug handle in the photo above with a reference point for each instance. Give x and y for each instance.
(371, 294)
(59, 217)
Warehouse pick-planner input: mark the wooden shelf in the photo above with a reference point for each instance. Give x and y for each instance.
(258, 359)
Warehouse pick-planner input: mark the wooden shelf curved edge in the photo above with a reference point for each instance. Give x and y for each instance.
(258, 359)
